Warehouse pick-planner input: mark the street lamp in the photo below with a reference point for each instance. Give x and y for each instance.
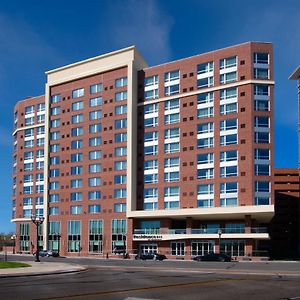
(37, 221)
(220, 234)
(13, 238)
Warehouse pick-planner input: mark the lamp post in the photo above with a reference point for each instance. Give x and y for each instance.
(220, 234)
(37, 221)
(13, 238)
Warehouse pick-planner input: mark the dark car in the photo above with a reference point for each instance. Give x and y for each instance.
(47, 253)
(213, 257)
(153, 256)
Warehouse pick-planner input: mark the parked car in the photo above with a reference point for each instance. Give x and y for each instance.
(150, 255)
(213, 257)
(47, 253)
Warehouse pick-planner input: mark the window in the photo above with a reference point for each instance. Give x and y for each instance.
(29, 121)
(120, 165)
(41, 107)
(228, 77)
(262, 170)
(205, 173)
(172, 118)
(262, 137)
(76, 183)
(150, 164)
(121, 151)
(55, 111)
(150, 178)
(205, 127)
(120, 193)
(228, 187)
(53, 198)
(150, 136)
(55, 98)
(171, 104)
(228, 171)
(232, 201)
(120, 207)
(151, 94)
(262, 201)
(172, 191)
(77, 144)
(28, 155)
(74, 236)
(53, 211)
(151, 150)
(261, 90)
(96, 141)
(54, 173)
(177, 248)
(172, 89)
(54, 160)
(122, 123)
(95, 154)
(261, 105)
(120, 96)
(151, 122)
(261, 58)
(262, 121)
(120, 179)
(205, 112)
(77, 105)
(55, 185)
(77, 119)
(261, 73)
(171, 147)
(205, 143)
(229, 139)
(95, 181)
(76, 209)
(39, 201)
(262, 154)
(171, 133)
(54, 148)
(27, 213)
(171, 176)
(55, 123)
(27, 190)
(28, 167)
(40, 142)
(205, 189)
(228, 93)
(95, 128)
(152, 80)
(228, 62)
(150, 108)
(95, 101)
(228, 155)
(29, 133)
(94, 209)
(77, 131)
(76, 157)
(28, 178)
(78, 93)
(29, 110)
(228, 124)
(40, 165)
(205, 67)
(205, 158)
(120, 82)
(40, 130)
(262, 186)
(95, 115)
(95, 168)
(77, 170)
(171, 76)
(41, 118)
(95, 195)
(29, 144)
(170, 162)
(121, 137)
(150, 193)
(76, 196)
(121, 109)
(226, 109)
(205, 98)
(39, 177)
(96, 88)
(205, 82)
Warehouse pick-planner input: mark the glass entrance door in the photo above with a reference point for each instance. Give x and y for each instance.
(202, 247)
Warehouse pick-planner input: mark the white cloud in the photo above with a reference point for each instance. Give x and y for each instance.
(143, 24)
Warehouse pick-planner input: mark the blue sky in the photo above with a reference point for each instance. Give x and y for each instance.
(36, 36)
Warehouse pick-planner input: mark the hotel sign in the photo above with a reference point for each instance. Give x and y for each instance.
(147, 237)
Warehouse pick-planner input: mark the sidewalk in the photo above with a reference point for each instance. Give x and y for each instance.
(41, 268)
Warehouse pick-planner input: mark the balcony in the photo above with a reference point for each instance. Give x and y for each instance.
(200, 233)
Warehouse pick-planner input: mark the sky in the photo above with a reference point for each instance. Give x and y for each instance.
(36, 36)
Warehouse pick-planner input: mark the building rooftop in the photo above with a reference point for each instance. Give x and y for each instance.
(296, 74)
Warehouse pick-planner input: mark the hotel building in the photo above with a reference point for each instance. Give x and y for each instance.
(175, 158)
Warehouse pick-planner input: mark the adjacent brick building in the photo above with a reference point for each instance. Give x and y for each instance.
(175, 158)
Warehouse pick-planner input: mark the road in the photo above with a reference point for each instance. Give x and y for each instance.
(123, 279)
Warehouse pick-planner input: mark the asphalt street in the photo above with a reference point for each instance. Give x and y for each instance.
(129, 279)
